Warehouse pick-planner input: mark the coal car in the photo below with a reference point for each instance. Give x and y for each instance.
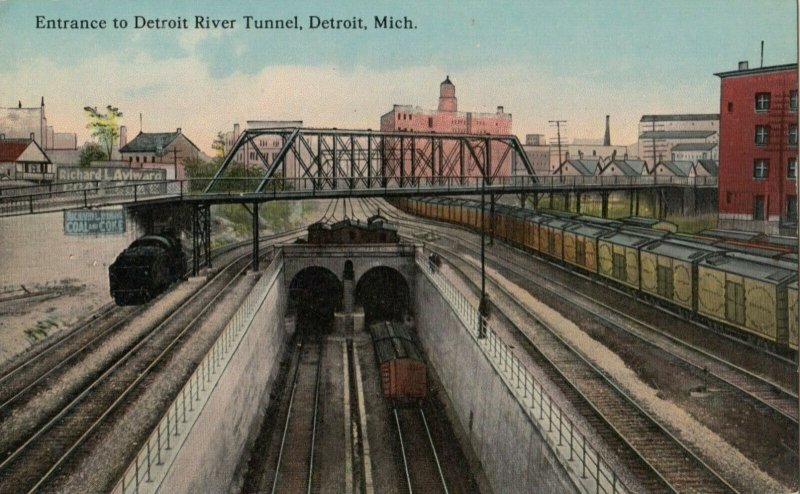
(146, 268)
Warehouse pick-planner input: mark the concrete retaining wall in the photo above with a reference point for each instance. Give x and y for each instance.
(230, 420)
(514, 456)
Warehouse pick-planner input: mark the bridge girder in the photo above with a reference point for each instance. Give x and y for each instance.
(367, 159)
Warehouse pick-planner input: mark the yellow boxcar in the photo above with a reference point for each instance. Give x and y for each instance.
(580, 244)
(553, 237)
(669, 270)
(618, 256)
(747, 292)
(792, 323)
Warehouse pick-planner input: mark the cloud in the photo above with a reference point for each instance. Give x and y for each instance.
(181, 92)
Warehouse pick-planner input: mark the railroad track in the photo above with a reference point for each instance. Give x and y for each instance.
(295, 468)
(53, 439)
(31, 375)
(423, 471)
(764, 392)
(660, 462)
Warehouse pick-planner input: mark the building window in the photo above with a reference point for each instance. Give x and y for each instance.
(793, 135)
(430, 121)
(137, 159)
(730, 106)
(758, 208)
(791, 169)
(398, 116)
(793, 100)
(762, 101)
(762, 135)
(760, 169)
(153, 159)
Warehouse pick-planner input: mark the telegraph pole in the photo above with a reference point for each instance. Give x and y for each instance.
(558, 133)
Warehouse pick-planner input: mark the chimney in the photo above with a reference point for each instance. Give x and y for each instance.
(123, 135)
(499, 109)
(20, 104)
(43, 101)
(607, 137)
(580, 154)
(235, 132)
(743, 65)
(2, 137)
(33, 136)
(179, 130)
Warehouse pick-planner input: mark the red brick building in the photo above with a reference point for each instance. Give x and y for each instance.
(758, 149)
(446, 119)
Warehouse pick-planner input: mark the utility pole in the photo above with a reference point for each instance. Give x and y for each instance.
(558, 133)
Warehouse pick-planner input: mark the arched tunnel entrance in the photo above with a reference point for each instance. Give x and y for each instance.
(384, 294)
(315, 293)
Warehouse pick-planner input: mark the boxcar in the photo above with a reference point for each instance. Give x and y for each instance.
(403, 372)
(618, 255)
(746, 292)
(534, 221)
(552, 237)
(669, 270)
(580, 245)
(793, 314)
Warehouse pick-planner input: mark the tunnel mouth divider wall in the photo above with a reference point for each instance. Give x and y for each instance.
(585, 468)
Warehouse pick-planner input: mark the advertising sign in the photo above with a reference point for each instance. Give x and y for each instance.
(94, 222)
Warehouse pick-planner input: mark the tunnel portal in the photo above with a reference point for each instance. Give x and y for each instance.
(384, 294)
(315, 293)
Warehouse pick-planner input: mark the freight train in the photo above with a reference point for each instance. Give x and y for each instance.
(730, 287)
(147, 267)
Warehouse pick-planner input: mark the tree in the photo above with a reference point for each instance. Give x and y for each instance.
(104, 125)
(219, 144)
(91, 152)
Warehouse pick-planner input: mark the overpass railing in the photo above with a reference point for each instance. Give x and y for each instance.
(565, 439)
(150, 466)
(94, 194)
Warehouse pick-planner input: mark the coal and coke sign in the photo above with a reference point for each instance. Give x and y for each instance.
(94, 221)
(109, 174)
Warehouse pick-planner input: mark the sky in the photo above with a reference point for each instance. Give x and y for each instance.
(542, 60)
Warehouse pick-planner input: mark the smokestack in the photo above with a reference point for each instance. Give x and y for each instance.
(607, 138)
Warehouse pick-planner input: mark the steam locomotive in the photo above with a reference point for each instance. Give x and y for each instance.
(146, 268)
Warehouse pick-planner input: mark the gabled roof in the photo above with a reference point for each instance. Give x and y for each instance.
(678, 168)
(683, 117)
(12, 149)
(677, 134)
(584, 167)
(711, 166)
(152, 142)
(630, 167)
(694, 146)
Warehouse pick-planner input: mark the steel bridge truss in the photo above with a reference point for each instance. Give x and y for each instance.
(327, 159)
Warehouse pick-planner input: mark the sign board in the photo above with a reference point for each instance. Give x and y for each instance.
(108, 175)
(94, 222)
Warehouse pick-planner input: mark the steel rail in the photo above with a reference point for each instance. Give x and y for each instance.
(109, 371)
(433, 450)
(56, 345)
(599, 374)
(403, 450)
(144, 373)
(716, 366)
